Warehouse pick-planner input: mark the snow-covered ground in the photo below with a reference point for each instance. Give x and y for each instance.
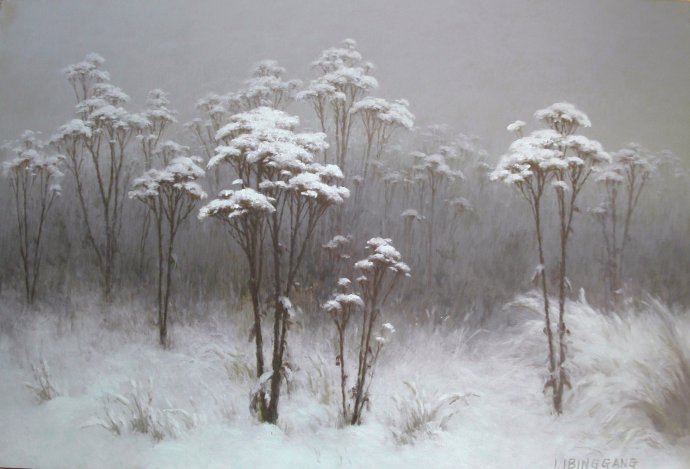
(629, 403)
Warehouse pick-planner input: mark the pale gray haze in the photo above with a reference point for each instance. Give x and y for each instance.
(476, 66)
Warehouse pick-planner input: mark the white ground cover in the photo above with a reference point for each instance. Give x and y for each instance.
(630, 397)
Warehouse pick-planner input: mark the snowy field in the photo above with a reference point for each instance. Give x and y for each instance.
(473, 398)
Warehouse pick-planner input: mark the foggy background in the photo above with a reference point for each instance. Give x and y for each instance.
(476, 66)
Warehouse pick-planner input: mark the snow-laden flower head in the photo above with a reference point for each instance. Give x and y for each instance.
(383, 256)
(266, 86)
(116, 118)
(343, 302)
(320, 91)
(31, 160)
(215, 105)
(411, 214)
(350, 77)
(180, 176)
(87, 70)
(168, 150)
(267, 68)
(232, 204)
(516, 127)
(110, 93)
(71, 131)
(385, 333)
(311, 184)
(349, 299)
(530, 155)
(379, 110)
(344, 77)
(338, 242)
(587, 151)
(624, 163)
(333, 58)
(157, 110)
(564, 118)
(436, 166)
(257, 121)
(634, 156)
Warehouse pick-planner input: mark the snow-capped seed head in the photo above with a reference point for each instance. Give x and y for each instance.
(233, 204)
(349, 300)
(410, 214)
(563, 117)
(385, 113)
(179, 176)
(587, 150)
(343, 284)
(516, 126)
(332, 307)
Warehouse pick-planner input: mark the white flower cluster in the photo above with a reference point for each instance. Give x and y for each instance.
(30, 158)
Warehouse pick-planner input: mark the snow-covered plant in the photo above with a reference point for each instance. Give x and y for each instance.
(435, 171)
(559, 158)
(137, 412)
(391, 182)
(380, 273)
(265, 88)
(282, 196)
(43, 385)
(380, 119)
(160, 117)
(516, 127)
(410, 216)
(344, 80)
(170, 194)
(420, 416)
(625, 176)
(341, 308)
(99, 139)
(34, 176)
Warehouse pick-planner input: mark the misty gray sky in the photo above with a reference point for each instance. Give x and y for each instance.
(475, 65)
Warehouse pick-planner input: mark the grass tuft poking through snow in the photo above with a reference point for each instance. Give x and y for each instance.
(421, 417)
(136, 411)
(43, 386)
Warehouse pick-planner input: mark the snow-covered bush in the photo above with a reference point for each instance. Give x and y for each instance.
(380, 273)
(421, 416)
(43, 385)
(34, 177)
